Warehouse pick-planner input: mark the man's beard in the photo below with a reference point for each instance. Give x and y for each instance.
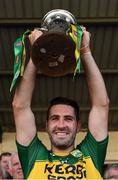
(62, 144)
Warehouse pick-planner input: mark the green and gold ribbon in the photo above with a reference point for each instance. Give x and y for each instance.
(76, 34)
(20, 58)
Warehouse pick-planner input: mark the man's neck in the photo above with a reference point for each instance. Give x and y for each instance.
(57, 151)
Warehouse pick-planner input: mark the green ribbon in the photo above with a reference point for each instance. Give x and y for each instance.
(19, 61)
(78, 64)
(75, 34)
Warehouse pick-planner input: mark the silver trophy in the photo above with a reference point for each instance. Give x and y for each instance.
(53, 52)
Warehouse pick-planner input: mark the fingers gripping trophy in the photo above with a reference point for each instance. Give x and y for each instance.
(57, 51)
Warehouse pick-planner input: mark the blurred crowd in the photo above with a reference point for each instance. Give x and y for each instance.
(111, 171)
(10, 167)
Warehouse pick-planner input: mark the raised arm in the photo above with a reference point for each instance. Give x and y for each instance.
(24, 117)
(98, 117)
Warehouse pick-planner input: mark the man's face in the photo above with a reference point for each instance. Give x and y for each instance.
(62, 126)
(16, 168)
(113, 173)
(4, 163)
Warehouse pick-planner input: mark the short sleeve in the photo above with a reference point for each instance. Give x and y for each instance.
(28, 154)
(95, 149)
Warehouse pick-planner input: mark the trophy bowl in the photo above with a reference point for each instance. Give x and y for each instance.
(53, 52)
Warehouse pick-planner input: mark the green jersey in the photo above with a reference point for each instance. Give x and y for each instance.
(84, 162)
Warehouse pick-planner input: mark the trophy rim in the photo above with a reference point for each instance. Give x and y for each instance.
(56, 13)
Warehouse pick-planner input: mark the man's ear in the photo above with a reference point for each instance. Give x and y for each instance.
(78, 126)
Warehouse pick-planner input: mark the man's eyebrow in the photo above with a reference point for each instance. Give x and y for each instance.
(54, 115)
(65, 116)
(69, 116)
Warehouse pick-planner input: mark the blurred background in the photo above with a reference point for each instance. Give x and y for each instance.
(101, 19)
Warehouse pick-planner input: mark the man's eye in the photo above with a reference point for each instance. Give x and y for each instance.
(68, 119)
(53, 118)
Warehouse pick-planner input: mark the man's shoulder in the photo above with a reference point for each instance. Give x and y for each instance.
(35, 147)
(89, 142)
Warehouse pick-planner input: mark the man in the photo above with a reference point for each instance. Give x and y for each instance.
(16, 170)
(64, 161)
(111, 172)
(5, 159)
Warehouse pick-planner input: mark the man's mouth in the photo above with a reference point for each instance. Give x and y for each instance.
(20, 172)
(61, 134)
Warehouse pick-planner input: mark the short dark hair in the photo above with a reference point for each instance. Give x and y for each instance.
(5, 154)
(64, 101)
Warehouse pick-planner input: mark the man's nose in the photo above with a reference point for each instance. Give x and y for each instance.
(19, 168)
(61, 123)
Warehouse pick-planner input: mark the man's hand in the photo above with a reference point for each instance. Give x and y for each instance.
(34, 36)
(85, 44)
